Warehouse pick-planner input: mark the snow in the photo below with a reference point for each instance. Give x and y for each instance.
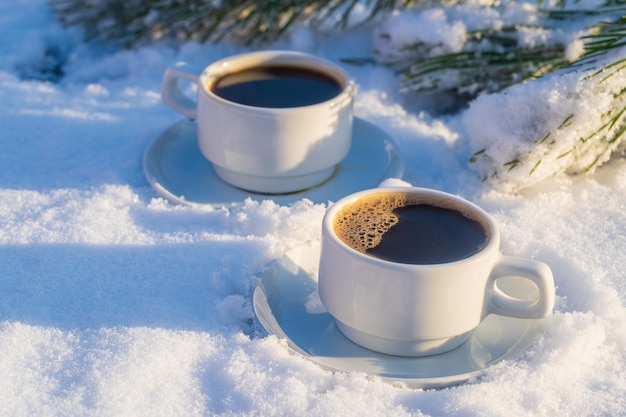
(115, 302)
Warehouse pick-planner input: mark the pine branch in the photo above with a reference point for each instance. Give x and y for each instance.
(493, 59)
(585, 138)
(477, 71)
(132, 22)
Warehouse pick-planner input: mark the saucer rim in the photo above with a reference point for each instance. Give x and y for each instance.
(394, 169)
(524, 338)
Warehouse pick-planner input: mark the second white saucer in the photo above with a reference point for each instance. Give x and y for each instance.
(287, 304)
(175, 168)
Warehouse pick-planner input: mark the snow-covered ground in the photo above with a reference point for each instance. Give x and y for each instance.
(114, 301)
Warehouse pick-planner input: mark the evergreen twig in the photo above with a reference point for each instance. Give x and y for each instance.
(132, 22)
(493, 60)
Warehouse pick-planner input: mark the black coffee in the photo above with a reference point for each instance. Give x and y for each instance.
(277, 87)
(413, 229)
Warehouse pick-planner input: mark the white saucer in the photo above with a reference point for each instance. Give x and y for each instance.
(175, 168)
(287, 305)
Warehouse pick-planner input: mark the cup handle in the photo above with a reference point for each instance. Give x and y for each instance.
(170, 90)
(538, 273)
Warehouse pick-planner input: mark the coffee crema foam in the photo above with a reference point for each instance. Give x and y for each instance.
(362, 224)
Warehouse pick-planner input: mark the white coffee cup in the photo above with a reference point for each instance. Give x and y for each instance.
(266, 149)
(411, 309)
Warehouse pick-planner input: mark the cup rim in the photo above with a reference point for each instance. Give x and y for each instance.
(492, 244)
(272, 57)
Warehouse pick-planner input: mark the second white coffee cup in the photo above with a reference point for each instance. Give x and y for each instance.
(261, 148)
(426, 292)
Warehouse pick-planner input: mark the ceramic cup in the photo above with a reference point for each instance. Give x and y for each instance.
(266, 149)
(417, 309)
